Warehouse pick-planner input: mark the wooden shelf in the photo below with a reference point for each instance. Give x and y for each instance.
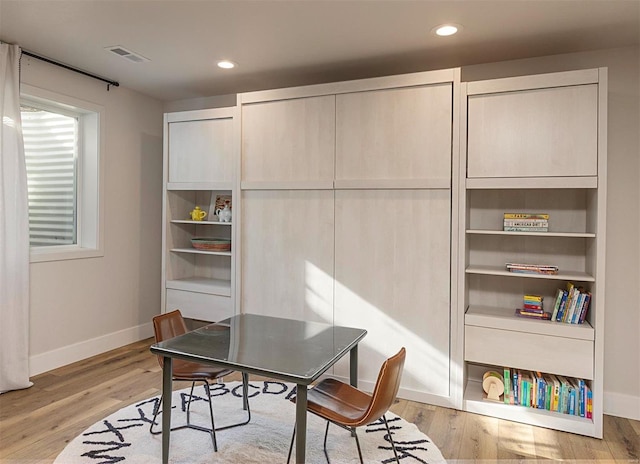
(532, 234)
(202, 285)
(502, 318)
(531, 182)
(199, 186)
(202, 223)
(200, 252)
(501, 271)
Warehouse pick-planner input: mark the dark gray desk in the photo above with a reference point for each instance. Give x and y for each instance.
(285, 349)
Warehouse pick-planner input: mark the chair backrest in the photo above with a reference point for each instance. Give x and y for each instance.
(386, 389)
(168, 325)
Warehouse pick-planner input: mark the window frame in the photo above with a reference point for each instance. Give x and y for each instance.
(90, 174)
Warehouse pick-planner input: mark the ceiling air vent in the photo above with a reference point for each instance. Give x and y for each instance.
(127, 54)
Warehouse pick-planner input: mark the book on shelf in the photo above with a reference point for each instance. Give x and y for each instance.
(571, 305)
(550, 392)
(543, 316)
(533, 303)
(508, 391)
(525, 222)
(544, 216)
(532, 268)
(524, 229)
(556, 306)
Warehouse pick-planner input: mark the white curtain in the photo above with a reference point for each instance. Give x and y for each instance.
(14, 230)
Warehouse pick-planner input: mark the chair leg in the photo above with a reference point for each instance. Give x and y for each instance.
(211, 431)
(393, 445)
(213, 425)
(245, 392)
(245, 403)
(293, 436)
(193, 384)
(324, 446)
(358, 445)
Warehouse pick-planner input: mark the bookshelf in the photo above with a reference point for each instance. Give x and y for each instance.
(199, 166)
(533, 144)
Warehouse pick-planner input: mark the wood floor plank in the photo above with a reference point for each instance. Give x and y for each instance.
(480, 433)
(37, 423)
(621, 439)
(446, 430)
(551, 444)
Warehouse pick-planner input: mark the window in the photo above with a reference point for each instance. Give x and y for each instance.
(51, 153)
(62, 151)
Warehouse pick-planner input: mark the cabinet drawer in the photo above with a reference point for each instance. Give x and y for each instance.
(199, 306)
(545, 353)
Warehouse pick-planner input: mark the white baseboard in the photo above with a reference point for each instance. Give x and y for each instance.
(59, 357)
(621, 405)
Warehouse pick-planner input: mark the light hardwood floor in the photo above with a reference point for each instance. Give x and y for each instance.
(37, 423)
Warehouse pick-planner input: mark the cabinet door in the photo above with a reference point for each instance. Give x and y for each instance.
(288, 140)
(394, 134)
(287, 253)
(201, 150)
(534, 133)
(393, 259)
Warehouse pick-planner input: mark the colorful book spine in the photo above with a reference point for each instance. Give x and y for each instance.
(508, 396)
(556, 306)
(544, 216)
(585, 308)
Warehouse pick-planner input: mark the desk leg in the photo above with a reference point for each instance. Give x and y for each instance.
(166, 407)
(301, 423)
(353, 366)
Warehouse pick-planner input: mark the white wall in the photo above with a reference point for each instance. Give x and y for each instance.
(82, 307)
(622, 320)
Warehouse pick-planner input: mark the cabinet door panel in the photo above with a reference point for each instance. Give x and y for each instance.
(544, 132)
(394, 134)
(288, 140)
(287, 253)
(201, 150)
(393, 279)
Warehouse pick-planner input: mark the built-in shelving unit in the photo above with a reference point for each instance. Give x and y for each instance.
(533, 144)
(200, 155)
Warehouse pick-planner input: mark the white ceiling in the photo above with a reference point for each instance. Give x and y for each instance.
(286, 42)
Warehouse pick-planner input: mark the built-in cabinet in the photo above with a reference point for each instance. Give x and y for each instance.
(379, 203)
(534, 144)
(350, 186)
(200, 154)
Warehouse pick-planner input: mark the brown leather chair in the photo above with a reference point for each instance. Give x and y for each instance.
(349, 408)
(171, 325)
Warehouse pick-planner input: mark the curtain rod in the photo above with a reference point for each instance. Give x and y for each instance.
(71, 68)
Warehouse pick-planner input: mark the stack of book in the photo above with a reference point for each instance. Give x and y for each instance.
(526, 222)
(532, 268)
(532, 307)
(571, 305)
(556, 393)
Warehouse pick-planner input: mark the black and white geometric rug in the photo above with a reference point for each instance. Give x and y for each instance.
(124, 436)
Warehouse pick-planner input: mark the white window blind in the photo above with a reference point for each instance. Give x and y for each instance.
(51, 152)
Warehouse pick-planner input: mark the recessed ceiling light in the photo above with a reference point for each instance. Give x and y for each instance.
(447, 29)
(226, 64)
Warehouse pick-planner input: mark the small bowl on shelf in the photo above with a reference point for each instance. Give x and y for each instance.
(211, 244)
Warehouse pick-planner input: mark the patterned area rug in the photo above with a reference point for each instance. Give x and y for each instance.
(124, 436)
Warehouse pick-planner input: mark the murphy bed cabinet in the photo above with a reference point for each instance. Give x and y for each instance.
(534, 144)
(200, 153)
(348, 212)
